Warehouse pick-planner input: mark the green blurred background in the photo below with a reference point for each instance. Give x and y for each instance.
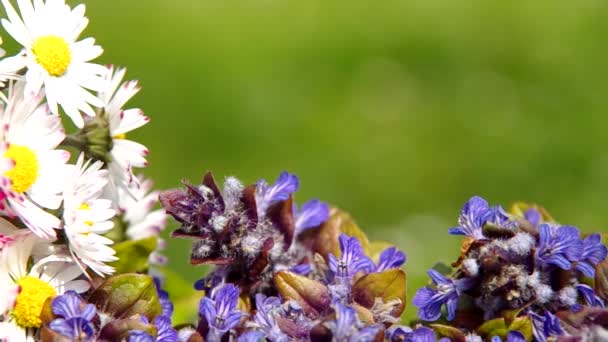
(396, 111)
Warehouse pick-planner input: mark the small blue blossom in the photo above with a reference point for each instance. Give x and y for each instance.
(351, 262)
(559, 246)
(589, 295)
(406, 334)
(265, 317)
(76, 317)
(221, 311)
(266, 195)
(163, 298)
(140, 336)
(390, 258)
(313, 214)
(594, 252)
(302, 269)
(252, 336)
(499, 218)
(533, 216)
(512, 336)
(474, 214)
(545, 326)
(429, 301)
(347, 327)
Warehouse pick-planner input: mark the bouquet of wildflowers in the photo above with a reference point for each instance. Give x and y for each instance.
(80, 248)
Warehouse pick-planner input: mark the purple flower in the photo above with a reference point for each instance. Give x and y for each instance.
(251, 336)
(429, 301)
(163, 298)
(500, 218)
(406, 334)
(75, 321)
(313, 214)
(390, 258)
(474, 214)
(589, 295)
(352, 260)
(512, 336)
(140, 336)
(533, 216)
(302, 269)
(347, 327)
(268, 308)
(594, 252)
(266, 195)
(221, 312)
(545, 326)
(559, 246)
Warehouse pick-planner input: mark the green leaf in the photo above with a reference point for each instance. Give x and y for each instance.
(312, 295)
(120, 329)
(494, 327)
(523, 325)
(127, 295)
(387, 285)
(133, 255)
(183, 295)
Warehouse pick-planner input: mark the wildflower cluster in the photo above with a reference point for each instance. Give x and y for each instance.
(521, 275)
(284, 273)
(70, 203)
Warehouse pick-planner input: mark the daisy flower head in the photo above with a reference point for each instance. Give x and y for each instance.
(124, 154)
(30, 162)
(87, 216)
(26, 289)
(48, 31)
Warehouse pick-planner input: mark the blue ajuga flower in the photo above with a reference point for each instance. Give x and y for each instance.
(302, 269)
(429, 301)
(512, 336)
(251, 336)
(75, 322)
(545, 326)
(559, 246)
(220, 311)
(593, 253)
(352, 260)
(164, 331)
(265, 317)
(163, 298)
(406, 334)
(390, 258)
(589, 295)
(266, 195)
(474, 214)
(313, 214)
(499, 217)
(347, 327)
(533, 216)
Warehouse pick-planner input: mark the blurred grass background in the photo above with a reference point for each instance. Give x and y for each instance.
(397, 111)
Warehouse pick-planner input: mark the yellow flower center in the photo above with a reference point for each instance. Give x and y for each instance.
(28, 307)
(25, 172)
(53, 54)
(120, 136)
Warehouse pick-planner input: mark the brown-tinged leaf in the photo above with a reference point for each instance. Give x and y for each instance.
(312, 295)
(454, 334)
(324, 239)
(209, 182)
(493, 231)
(250, 206)
(320, 333)
(468, 243)
(119, 330)
(601, 280)
(387, 285)
(364, 314)
(258, 266)
(587, 316)
(48, 335)
(281, 214)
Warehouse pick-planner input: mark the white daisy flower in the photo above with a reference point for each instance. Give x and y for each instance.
(48, 31)
(125, 154)
(142, 221)
(87, 216)
(30, 163)
(48, 277)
